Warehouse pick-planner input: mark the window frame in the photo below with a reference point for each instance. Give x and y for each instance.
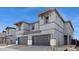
(46, 21)
(33, 27)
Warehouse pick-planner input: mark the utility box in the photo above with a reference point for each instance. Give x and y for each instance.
(29, 42)
(53, 42)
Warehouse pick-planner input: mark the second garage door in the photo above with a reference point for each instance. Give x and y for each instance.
(22, 40)
(42, 40)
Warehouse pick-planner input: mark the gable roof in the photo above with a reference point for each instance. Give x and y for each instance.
(46, 11)
(54, 9)
(3, 31)
(49, 10)
(20, 22)
(10, 28)
(70, 24)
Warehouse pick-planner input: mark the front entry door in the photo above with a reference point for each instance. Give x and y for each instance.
(65, 40)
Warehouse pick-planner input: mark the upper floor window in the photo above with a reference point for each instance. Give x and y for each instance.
(41, 17)
(33, 27)
(7, 31)
(46, 20)
(26, 28)
(19, 28)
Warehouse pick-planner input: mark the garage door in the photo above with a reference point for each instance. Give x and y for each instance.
(43, 40)
(22, 40)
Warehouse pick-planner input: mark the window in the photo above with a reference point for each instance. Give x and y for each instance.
(50, 15)
(46, 20)
(26, 28)
(47, 17)
(33, 27)
(7, 31)
(41, 17)
(19, 28)
(65, 39)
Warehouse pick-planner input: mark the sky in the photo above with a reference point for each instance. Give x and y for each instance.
(10, 15)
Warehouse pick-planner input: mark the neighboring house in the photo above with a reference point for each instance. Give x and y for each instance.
(10, 35)
(50, 26)
(0, 38)
(3, 37)
(68, 32)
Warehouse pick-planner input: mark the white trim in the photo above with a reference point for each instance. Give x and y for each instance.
(29, 42)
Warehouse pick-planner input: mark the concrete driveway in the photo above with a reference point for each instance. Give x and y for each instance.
(24, 48)
(30, 48)
(33, 48)
(5, 48)
(8, 49)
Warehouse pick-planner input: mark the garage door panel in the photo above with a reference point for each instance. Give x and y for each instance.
(22, 40)
(41, 40)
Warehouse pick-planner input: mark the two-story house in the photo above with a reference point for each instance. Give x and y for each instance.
(0, 38)
(49, 27)
(10, 35)
(3, 37)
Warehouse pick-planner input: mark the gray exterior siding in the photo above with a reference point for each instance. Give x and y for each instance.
(56, 27)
